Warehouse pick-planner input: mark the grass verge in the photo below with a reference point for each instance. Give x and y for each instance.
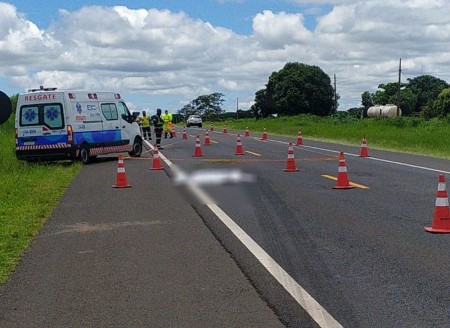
(28, 194)
(403, 134)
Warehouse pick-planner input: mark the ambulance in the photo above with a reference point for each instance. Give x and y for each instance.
(54, 124)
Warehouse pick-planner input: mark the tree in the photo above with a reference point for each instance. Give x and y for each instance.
(415, 96)
(296, 89)
(367, 100)
(407, 100)
(186, 110)
(388, 94)
(427, 88)
(208, 106)
(263, 106)
(439, 107)
(384, 93)
(356, 111)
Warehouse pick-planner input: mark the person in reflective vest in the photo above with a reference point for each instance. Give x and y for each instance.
(167, 118)
(158, 127)
(145, 123)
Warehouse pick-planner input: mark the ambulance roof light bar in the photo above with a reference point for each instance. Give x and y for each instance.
(41, 88)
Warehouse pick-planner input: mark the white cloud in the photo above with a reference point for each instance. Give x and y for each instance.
(20, 37)
(277, 30)
(157, 53)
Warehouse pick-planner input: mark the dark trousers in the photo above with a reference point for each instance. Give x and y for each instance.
(147, 132)
(158, 133)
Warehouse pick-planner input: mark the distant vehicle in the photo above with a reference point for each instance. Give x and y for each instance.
(194, 120)
(56, 124)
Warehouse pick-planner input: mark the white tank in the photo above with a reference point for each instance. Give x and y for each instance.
(374, 111)
(390, 110)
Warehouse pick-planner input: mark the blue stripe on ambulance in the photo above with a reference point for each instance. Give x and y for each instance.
(42, 140)
(94, 137)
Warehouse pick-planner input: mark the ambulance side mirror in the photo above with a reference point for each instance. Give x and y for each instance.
(127, 118)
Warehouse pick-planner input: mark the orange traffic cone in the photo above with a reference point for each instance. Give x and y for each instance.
(174, 133)
(290, 163)
(299, 138)
(121, 178)
(247, 133)
(225, 129)
(264, 136)
(342, 179)
(156, 162)
(198, 148)
(207, 141)
(184, 137)
(212, 128)
(441, 217)
(239, 148)
(364, 151)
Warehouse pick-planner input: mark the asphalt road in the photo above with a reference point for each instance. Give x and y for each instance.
(131, 257)
(361, 253)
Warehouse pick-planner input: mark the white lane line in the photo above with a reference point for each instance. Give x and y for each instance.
(409, 165)
(302, 297)
(385, 161)
(370, 158)
(311, 306)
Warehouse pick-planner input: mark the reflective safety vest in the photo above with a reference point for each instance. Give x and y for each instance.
(166, 118)
(157, 121)
(145, 120)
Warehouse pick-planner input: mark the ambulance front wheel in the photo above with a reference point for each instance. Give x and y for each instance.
(137, 148)
(84, 155)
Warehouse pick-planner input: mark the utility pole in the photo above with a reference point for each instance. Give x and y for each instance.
(335, 94)
(398, 86)
(237, 108)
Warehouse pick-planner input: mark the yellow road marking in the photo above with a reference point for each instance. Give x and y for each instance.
(357, 185)
(252, 153)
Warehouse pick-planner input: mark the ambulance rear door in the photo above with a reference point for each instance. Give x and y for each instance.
(40, 122)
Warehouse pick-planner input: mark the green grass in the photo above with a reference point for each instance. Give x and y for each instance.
(403, 134)
(28, 194)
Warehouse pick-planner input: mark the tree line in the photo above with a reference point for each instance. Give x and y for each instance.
(295, 89)
(423, 95)
(304, 89)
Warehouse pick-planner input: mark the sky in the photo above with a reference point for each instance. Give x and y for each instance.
(164, 54)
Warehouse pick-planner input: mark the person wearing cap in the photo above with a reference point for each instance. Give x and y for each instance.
(144, 121)
(158, 124)
(167, 118)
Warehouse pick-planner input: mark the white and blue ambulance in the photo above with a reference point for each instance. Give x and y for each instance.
(56, 124)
